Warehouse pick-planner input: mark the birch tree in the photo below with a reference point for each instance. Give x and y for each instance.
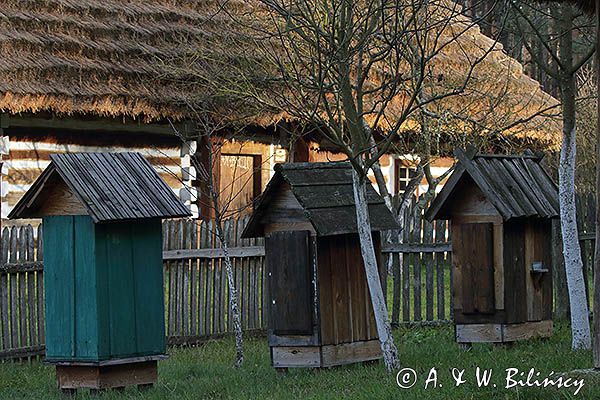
(555, 34)
(208, 133)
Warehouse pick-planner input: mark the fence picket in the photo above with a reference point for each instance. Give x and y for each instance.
(194, 264)
(428, 261)
(14, 324)
(202, 307)
(416, 263)
(440, 237)
(4, 312)
(406, 235)
(39, 279)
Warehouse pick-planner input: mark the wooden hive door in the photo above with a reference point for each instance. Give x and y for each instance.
(290, 282)
(473, 263)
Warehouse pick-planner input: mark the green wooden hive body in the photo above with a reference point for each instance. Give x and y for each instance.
(104, 289)
(103, 272)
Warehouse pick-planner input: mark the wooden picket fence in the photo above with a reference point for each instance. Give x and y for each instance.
(420, 259)
(196, 292)
(21, 293)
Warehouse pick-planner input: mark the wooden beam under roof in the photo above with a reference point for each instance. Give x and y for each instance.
(97, 124)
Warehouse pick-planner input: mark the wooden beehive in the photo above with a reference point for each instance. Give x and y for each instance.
(501, 210)
(320, 312)
(103, 274)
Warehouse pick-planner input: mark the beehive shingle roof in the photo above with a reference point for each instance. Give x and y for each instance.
(516, 185)
(324, 190)
(111, 186)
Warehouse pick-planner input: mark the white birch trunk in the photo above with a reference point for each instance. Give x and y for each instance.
(233, 299)
(580, 323)
(367, 249)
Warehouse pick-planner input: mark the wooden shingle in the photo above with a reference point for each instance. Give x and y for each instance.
(516, 185)
(110, 186)
(325, 195)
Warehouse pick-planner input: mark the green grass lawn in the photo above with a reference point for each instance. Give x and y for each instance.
(206, 372)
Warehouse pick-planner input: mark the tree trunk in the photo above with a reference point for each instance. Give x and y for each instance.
(597, 250)
(580, 320)
(233, 297)
(559, 277)
(367, 249)
(580, 324)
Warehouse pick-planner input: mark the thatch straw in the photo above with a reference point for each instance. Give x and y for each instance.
(107, 57)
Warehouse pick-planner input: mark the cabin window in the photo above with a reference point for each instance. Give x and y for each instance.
(403, 176)
(290, 282)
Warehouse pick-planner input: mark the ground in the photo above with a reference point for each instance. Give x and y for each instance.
(206, 372)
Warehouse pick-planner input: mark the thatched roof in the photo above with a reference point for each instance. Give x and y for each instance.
(110, 58)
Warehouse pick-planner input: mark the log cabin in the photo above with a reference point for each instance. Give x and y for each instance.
(99, 76)
(501, 209)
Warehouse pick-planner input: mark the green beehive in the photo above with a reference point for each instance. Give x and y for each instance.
(103, 271)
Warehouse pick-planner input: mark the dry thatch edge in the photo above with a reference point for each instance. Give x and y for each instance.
(121, 97)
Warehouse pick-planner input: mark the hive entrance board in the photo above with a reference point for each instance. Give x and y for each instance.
(290, 286)
(474, 264)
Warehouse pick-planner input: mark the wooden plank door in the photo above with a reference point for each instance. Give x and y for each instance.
(290, 287)
(473, 259)
(238, 182)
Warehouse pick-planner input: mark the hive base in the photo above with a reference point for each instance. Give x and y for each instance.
(502, 333)
(284, 357)
(114, 374)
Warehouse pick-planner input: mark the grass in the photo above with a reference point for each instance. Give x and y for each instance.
(206, 372)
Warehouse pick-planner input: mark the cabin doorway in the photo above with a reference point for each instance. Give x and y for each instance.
(239, 182)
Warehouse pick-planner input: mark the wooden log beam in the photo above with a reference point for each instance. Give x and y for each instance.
(22, 352)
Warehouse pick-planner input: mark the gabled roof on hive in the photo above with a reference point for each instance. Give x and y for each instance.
(111, 187)
(516, 185)
(324, 190)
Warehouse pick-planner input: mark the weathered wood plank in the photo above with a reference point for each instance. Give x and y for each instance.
(194, 280)
(186, 288)
(406, 268)
(31, 303)
(41, 327)
(417, 248)
(440, 237)
(203, 272)
(172, 306)
(416, 261)
(14, 301)
(428, 261)
(22, 278)
(4, 310)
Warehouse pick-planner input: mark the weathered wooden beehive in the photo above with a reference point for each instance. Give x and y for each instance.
(103, 273)
(320, 312)
(501, 209)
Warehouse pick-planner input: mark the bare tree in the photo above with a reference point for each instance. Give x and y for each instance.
(220, 204)
(356, 71)
(545, 25)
